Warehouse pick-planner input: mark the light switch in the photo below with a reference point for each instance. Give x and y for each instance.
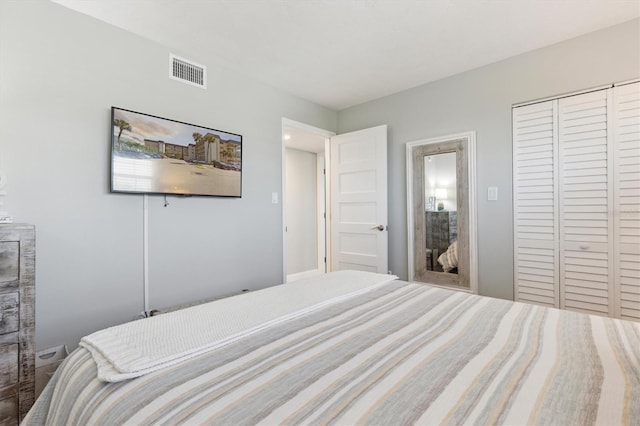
(492, 193)
(274, 198)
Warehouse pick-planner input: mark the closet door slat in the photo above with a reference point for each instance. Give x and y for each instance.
(626, 135)
(584, 164)
(535, 202)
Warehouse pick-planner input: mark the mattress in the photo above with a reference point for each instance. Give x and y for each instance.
(384, 352)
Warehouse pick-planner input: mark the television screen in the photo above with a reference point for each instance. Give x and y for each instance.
(154, 155)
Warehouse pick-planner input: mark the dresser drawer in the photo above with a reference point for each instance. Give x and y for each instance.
(9, 364)
(9, 312)
(9, 411)
(9, 262)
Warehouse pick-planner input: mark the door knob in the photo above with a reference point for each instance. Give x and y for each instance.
(379, 227)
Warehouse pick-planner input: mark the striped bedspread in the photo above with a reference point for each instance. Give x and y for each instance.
(399, 354)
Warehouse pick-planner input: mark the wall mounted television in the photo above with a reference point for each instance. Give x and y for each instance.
(155, 155)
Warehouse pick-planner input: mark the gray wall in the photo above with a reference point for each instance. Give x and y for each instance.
(301, 211)
(60, 72)
(481, 100)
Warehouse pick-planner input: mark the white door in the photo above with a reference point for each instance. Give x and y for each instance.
(585, 197)
(626, 129)
(535, 202)
(359, 200)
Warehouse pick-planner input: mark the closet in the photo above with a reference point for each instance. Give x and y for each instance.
(576, 187)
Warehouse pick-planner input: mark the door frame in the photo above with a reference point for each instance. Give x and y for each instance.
(470, 137)
(327, 134)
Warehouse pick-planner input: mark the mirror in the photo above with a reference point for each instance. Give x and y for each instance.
(439, 218)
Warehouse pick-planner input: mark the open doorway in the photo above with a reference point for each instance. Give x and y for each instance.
(305, 154)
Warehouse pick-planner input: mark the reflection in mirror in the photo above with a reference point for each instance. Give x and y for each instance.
(440, 210)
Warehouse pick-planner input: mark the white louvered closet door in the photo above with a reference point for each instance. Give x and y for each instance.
(585, 194)
(626, 126)
(535, 201)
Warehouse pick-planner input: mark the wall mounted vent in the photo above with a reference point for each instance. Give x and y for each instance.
(187, 71)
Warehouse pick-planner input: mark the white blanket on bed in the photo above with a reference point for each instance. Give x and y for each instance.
(140, 347)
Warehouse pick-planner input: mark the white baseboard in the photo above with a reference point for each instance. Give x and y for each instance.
(305, 274)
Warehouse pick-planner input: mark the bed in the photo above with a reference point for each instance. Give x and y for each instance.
(352, 348)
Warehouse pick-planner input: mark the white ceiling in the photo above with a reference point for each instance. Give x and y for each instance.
(340, 53)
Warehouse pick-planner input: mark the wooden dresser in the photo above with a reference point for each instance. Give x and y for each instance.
(17, 321)
(441, 229)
